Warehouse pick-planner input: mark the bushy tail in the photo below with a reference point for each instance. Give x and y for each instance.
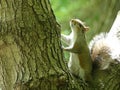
(105, 47)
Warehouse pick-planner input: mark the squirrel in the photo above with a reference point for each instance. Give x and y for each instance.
(80, 62)
(103, 50)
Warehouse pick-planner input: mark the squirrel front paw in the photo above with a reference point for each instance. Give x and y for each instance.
(63, 47)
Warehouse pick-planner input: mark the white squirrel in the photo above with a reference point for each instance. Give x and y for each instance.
(105, 47)
(80, 62)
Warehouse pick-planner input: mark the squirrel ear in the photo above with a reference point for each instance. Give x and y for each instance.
(86, 28)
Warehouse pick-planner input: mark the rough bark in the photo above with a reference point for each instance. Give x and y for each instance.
(30, 50)
(30, 54)
(108, 79)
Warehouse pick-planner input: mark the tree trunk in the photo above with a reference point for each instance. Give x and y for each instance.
(30, 54)
(30, 50)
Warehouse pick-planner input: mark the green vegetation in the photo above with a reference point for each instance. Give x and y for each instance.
(96, 14)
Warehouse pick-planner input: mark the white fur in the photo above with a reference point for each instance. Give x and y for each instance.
(98, 46)
(74, 66)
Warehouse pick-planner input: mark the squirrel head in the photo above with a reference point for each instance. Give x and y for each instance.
(77, 24)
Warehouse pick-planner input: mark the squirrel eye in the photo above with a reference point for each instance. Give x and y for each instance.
(80, 25)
